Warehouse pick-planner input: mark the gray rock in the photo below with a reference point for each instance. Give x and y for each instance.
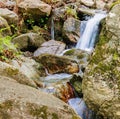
(28, 40)
(20, 101)
(10, 71)
(101, 83)
(50, 47)
(4, 27)
(34, 9)
(71, 30)
(10, 16)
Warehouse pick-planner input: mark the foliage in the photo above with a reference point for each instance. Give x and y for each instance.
(71, 12)
(7, 49)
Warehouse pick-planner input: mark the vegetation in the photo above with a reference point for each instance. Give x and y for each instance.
(114, 3)
(7, 48)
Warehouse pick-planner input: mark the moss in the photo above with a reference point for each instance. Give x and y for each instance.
(69, 52)
(75, 117)
(4, 108)
(54, 116)
(38, 111)
(11, 71)
(114, 3)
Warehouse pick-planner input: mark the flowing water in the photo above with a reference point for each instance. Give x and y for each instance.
(52, 29)
(89, 31)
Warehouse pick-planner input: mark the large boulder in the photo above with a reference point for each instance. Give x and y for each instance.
(71, 30)
(19, 101)
(10, 71)
(34, 9)
(57, 64)
(28, 41)
(101, 83)
(50, 47)
(10, 16)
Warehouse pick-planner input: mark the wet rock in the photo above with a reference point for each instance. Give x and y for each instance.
(34, 9)
(102, 77)
(10, 71)
(29, 41)
(18, 103)
(10, 16)
(82, 57)
(71, 30)
(50, 47)
(56, 64)
(76, 82)
(4, 27)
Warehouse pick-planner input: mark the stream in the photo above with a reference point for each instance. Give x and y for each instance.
(89, 31)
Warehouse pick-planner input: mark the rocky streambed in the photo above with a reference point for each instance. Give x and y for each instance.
(38, 80)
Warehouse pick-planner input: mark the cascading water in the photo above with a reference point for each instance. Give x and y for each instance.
(87, 39)
(52, 29)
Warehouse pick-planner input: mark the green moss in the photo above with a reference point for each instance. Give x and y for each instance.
(39, 112)
(69, 52)
(4, 108)
(6, 105)
(10, 71)
(114, 3)
(75, 117)
(54, 116)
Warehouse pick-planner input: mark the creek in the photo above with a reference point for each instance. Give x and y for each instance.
(89, 30)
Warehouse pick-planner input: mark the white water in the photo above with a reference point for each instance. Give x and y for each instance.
(88, 36)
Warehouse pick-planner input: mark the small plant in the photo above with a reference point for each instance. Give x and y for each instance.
(7, 49)
(71, 12)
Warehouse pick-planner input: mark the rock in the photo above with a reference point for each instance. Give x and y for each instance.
(29, 103)
(10, 16)
(34, 9)
(101, 83)
(71, 30)
(86, 11)
(4, 27)
(29, 67)
(82, 57)
(28, 41)
(14, 73)
(76, 82)
(55, 64)
(50, 47)
(88, 3)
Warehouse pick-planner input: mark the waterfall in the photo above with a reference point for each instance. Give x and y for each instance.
(52, 29)
(89, 31)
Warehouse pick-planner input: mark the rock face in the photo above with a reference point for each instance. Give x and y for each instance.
(14, 73)
(28, 41)
(50, 47)
(34, 9)
(101, 83)
(71, 30)
(57, 64)
(19, 101)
